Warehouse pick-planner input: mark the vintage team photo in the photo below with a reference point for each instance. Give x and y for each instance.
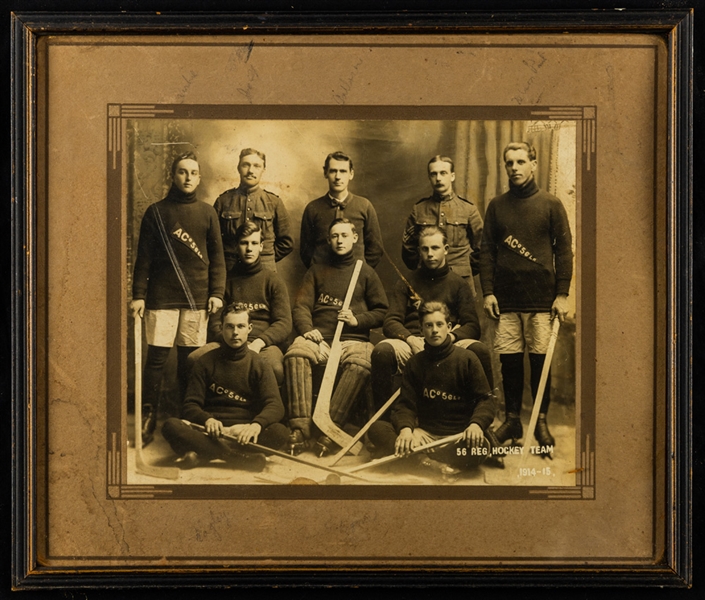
(349, 302)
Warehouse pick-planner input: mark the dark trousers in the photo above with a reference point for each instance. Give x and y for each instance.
(183, 439)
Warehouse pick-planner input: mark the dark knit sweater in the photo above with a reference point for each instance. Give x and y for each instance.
(443, 391)
(263, 293)
(240, 204)
(192, 231)
(320, 213)
(233, 386)
(462, 223)
(322, 293)
(438, 285)
(526, 258)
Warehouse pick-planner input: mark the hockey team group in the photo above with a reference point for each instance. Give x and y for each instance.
(205, 280)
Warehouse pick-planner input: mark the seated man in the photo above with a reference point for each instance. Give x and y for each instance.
(263, 293)
(317, 310)
(432, 281)
(231, 391)
(444, 392)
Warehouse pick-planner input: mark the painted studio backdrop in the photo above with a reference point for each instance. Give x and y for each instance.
(390, 161)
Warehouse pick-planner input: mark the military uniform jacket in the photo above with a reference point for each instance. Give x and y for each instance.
(462, 223)
(266, 209)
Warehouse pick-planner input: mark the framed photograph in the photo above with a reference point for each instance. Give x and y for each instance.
(425, 292)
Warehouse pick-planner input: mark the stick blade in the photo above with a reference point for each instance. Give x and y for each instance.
(154, 471)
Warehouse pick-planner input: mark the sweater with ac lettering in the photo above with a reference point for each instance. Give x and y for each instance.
(264, 295)
(180, 262)
(322, 294)
(526, 257)
(234, 386)
(444, 389)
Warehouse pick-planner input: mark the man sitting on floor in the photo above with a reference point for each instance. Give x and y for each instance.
(231, 391)
(444, 392)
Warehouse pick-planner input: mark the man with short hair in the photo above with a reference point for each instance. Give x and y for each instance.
(317, 310)
(179, 279)
(251, 202)
(340, 203)
(432, 281)
(457, 216)
(231, 391)
(526, 265)
(444, 392)
(263, 294)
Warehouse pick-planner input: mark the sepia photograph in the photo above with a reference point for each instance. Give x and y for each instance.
(319, 301)
(271, 271)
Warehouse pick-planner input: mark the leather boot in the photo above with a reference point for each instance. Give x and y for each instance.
(542, 434)
(510, 429)
(149, 424)
(325, 446)
(297, 442)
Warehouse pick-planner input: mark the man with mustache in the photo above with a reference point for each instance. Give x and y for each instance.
(251, 202)
(458, 217)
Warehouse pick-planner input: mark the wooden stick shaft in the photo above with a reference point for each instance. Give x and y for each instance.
(392, 457)
(528, 438)
(295, 459)
(321, 414)
(138, 384)
(365, 427)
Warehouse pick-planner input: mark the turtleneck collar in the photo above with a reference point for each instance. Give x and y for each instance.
(340, 261)
(242, 268)
(176, 195)
(432, 274)
(233, 353)
(526, 190)
(439, 352)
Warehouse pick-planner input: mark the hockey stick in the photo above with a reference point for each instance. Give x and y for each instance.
(140, 465)
(392, 457)
(321, 414)
(364, 429)
(274, 452)
(541, 389)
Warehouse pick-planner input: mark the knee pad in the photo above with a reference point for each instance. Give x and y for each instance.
(302, 348)
(352, 381)
(358, 354)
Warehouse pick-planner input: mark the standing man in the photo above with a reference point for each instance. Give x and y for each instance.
(179, 278)
(432, 281)
(339, 203)
(444, 392)
(526, 266)
(231, 391)
(251, 202)
(448, 211)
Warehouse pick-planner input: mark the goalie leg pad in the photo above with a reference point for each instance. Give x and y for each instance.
(352, 381)
(298, 379)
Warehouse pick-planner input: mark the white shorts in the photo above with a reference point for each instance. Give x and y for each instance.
(402, 350)
(184, 326)
(516, 331)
